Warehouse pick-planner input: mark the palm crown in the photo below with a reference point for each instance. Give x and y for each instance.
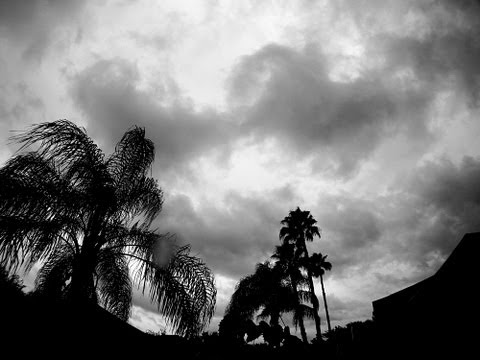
(86, 219)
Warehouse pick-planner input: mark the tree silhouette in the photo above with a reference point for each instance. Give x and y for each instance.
(299, 227)
(318, 265)
(86, 219)
(265, 290)
(287, 259)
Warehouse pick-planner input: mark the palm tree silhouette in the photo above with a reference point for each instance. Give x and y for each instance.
(86, 219)
(269, 291)
(318, 265)
(299, 227)
(287, 259)
(266, 290)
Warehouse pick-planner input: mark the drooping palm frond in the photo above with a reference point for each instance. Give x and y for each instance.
(52, 277)
(184, 290)
(267, 291)
(246, 299)
(114, 284)
(301, 312)
(62, 142)
(129, 165)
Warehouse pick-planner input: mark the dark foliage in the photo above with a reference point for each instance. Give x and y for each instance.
(85, 218)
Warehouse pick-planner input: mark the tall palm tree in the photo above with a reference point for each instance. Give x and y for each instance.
(318, 264)
(85, 218)
(299, 227)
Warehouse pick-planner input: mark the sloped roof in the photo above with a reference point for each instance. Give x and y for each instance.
(458, 271)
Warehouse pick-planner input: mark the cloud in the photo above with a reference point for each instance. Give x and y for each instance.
(232, 237)
(109, 95)
(18, 105)
(288, 94)
(371, 127)
(146, 320)
(449, 194)
(442, 47)
(32, 23)
(351, 230)
(422, 222)
(339, 310)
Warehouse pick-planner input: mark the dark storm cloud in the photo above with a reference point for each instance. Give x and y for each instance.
(450, 196)
(453, 189)
(350, 228)
(419, 224)
(446, 53)
(288, 95)
(31, 23)
(107, 93)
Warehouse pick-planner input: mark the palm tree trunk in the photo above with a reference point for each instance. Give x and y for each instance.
(316, 306)
(313, 296)
(299, 309)
(325, 303)
(82, 283)
(274, 318)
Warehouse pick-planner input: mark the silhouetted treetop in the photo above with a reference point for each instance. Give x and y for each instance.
(85, 218)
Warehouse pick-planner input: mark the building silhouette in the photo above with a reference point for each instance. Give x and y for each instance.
(438, 315)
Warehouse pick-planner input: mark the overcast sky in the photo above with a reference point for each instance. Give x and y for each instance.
(364, 112)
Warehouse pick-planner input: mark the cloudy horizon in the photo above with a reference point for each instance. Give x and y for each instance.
(363, 112)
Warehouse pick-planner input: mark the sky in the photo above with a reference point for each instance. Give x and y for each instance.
(364, 112)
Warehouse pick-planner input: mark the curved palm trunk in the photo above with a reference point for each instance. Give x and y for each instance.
(315, 304)
(299, 309)
(325, 303)
(313, 297)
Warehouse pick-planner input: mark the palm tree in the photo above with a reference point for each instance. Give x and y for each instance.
(265, 290)
(287, 259)
(299, 227)
(269, 292)
(318, 265)
(85, 218)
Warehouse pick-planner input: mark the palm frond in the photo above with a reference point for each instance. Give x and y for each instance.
(128, 166)
(184, 290)
(31, 185)
(52, 277)
(61, 141)
(132, 158)
(143, 196)
(20, 236)
(304, 296)
(302, 311)
(114, 284)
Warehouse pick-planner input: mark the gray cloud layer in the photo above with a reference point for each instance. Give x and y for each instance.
(31, 23)
(107, 93)
(303, 108)
(288, 95)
